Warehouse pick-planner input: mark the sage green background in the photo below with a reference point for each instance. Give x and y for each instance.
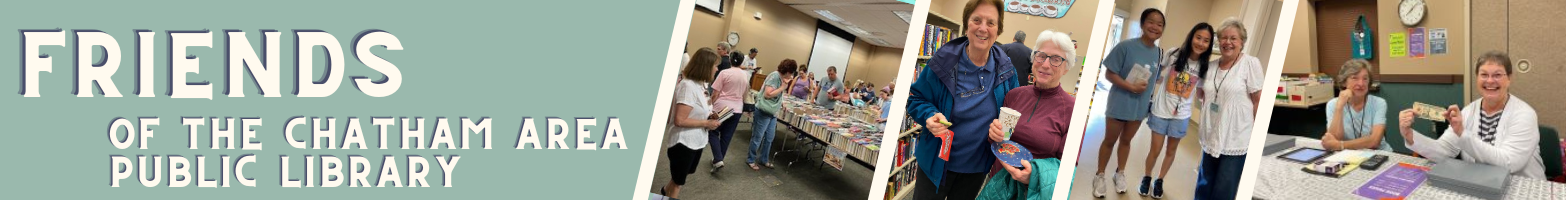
(500, 59)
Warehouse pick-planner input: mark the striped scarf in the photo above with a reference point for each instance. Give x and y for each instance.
(1487, 124)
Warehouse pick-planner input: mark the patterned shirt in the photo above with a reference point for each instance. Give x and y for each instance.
(1487, 124)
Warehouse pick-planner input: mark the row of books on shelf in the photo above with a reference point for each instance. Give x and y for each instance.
(934, 36)
(901, 181)
(905, 143)
(905, 150)
(905, 173)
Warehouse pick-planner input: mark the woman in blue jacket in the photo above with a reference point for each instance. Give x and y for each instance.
(964, 85)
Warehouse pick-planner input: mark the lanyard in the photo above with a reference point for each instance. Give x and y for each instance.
(1359, 130)
(1217, 97)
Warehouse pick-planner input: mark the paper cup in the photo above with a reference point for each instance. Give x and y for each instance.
(1008, 119)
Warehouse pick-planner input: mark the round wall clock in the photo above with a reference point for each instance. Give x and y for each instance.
(734, 38)
(1411, 12)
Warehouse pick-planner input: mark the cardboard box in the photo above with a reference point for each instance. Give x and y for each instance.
(1307, 91)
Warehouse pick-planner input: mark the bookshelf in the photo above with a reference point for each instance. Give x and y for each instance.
(937, 31)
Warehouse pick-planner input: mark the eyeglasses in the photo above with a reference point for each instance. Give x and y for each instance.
(1492, 76)
(1054, 60)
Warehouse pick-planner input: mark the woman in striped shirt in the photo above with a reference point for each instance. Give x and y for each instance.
(1506, 133)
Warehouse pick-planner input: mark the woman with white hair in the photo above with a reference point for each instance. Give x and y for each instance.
(1229, 97)
(1046, 114)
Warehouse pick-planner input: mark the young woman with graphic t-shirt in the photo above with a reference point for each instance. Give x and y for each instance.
(1172, 98)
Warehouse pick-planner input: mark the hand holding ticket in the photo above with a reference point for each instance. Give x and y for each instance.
(946, 145)
(937, 125)
(946, 141)
(1430, 112)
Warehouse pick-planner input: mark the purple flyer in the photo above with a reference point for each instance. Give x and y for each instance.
(1395, 183)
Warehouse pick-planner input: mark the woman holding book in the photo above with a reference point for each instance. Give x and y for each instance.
(1130, 66)
(693, 117)
(728, 94)
(800, 87)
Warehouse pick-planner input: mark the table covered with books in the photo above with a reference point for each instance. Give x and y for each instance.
(1278, 178)
(844, 132)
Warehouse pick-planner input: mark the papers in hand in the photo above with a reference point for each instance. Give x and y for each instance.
(723, 115)
(1138, 74)
(1430, 112)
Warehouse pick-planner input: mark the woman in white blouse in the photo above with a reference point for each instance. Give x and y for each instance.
(1229, 97)
(692, 119)
(1498, 129)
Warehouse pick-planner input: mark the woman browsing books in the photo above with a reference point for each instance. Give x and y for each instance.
(764, 123)
(693, 117)
(728, 94)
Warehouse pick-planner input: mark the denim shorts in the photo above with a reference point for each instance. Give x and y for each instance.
(1169, 127)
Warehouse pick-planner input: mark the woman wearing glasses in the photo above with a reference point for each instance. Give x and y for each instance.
(1046, 114)
(1505, 134)
(1229, 104)
(965, 86)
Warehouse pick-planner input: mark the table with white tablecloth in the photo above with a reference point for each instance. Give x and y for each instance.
(1283, 179)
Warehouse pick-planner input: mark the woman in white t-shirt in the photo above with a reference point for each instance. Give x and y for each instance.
(1229, 97)
(693, 117)
(1172, 98)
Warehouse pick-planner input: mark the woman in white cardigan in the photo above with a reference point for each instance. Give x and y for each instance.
(1499, 129)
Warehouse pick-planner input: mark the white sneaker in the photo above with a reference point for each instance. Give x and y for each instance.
(716, 166)
(1120, 182)
(1098, 185)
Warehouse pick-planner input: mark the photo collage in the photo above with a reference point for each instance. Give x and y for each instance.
(1113, 99)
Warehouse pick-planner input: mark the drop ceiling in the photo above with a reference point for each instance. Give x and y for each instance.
(882, 26)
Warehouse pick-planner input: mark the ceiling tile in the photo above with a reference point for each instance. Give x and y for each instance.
(873, 16)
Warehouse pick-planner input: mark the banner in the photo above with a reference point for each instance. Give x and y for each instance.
(328, 99)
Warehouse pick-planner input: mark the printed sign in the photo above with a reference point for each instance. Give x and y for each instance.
(1437, 41)
(1416, 42)
(1397, 43)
